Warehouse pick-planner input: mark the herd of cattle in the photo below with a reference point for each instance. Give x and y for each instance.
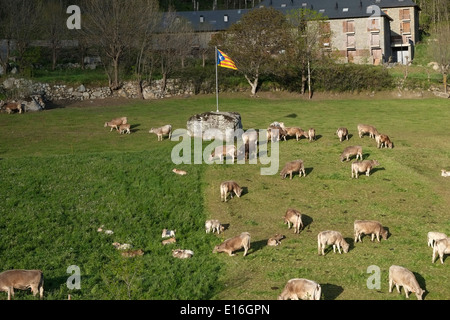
(297, 288)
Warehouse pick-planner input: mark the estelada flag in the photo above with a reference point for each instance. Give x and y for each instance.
(225, 61)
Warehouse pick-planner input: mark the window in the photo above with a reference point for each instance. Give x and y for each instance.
(405, 27)
(373, 24)
(225, 18)
(202, 19)
(375, 40)
(350, 41)
(351, 54)
(349, 26)
(404, 14)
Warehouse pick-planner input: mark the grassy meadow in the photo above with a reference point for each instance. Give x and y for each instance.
(63, 175)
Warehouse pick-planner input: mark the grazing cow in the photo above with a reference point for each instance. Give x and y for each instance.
(115, 123)
(132, 253)
(167, 129)
(351, 151)
(291, 167)
(303, 289)
(229, 187)
(13, 107)
(223, 151)
(275, 240)
(383, 140)
(168, 241)
(168, 233)
(250, 144)
(233, 244)
(312, 134)
(331, 237)
(369, 227)
(445, 173)
(22, 280)
(363, 129)
(441, 247)
(400, 276)
(182, 254)
(275, 133)
(342, 133)
(363, 166)
(179, 172)
(125, 128)
(297, 132)
(295, 217)
(434, 236)
(214, 225)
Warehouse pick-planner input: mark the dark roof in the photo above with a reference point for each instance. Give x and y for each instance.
(214, 20)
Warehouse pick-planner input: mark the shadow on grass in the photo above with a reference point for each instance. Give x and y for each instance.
(331, 291)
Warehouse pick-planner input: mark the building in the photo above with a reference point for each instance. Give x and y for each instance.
(362, 31)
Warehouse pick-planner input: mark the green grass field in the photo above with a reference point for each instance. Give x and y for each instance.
(64, 175)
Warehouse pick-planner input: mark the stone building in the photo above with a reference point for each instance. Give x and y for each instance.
(362, 31)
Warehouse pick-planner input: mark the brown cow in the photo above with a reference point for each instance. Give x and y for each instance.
(295, 217)
(22, 280)
(233, 244)
(291, 167)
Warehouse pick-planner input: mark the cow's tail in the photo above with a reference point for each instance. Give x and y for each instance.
(41, 287)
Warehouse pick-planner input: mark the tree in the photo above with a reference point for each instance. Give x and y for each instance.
(310, 31)
(256, 43)
(440, 49)
(113, 26)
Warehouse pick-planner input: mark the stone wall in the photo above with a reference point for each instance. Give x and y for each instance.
(23, 88)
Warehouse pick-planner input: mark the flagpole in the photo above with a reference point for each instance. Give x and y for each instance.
(217, 81)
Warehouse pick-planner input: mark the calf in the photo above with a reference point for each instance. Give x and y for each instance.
(312, 134)
(363, 129)
(445, 173)
(233, 244)
(125, 128)
(299, 288)
(441, 247)
(371, 227)
(351, 151)
(168, 241)
(331, 237)
(222, 152)
(214, 225)
(13, 107)
(383, 140)
(295, 217)
(297, 132)
(229, 187)
(276, 133)
(115, 123)
(363, 166)
(434, 236)
(275, 240)
(291, 167)
(22, 280)
(167, 129)
(342, 133)
(401, 276)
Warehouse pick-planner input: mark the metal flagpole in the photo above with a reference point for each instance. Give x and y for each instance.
(217, 81)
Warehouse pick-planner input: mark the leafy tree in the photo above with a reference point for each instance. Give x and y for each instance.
(256, 44)
(440, 49)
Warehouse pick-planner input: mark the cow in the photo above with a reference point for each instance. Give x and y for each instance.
(222, 152)
(445, 173)
(299, 288)
(374, 228)
(132, 253)
(291, 167)
(363, 166)
(167, 129)
(330, 237)
(214, 225)
(179, 172)
(295, 217)
(275, 240)
(275, 133)
(434, 236)
(441, 247)
(297, 132)
(400, 276)
(342, 133)
(363, 129)
(13, 107)
(168, 241)
(352, 151)
(182, 253)
(168, 233)
(232, 244)
(312, 134)
(115, 123)
(22, 280)
(125, 128)
(383, 140)
(229, 187)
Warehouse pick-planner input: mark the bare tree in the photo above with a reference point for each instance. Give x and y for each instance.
(114, 27)
(440, 49)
